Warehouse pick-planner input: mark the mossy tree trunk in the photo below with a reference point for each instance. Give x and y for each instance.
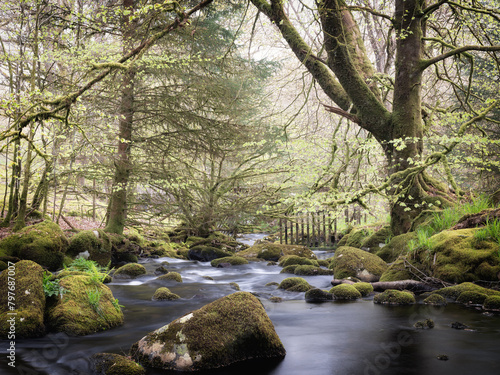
(123, 164)
(347, 78)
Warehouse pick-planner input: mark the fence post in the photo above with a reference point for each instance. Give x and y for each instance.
(281, 231)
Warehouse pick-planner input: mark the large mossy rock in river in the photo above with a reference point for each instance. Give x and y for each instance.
(377, 240)
(114, 364)
(397, 246)
(273, 251)
(130, 271)
(87, 306)
(203, 253)
(231, 329)
(95, 242)
(29, 301)
(352, 262)
(43, 243)
(394, 297)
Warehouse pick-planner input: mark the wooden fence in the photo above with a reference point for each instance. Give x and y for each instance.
(316, 229)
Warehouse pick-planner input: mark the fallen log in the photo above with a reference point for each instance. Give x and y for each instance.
(411, 285)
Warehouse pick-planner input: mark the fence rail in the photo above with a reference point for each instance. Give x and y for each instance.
(315, 229)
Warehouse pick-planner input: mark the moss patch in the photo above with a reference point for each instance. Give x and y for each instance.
(273, 252)
(352, 262)
(131, 270)
(231, 329)
(397, 246)
(77, 315)
(373, 242)
(115, 364)
(364, 288)
(471, 298)
(355, 237)
(305, 270)
(232, 260)
(164, 294)
(289, 260)
(397, 271)
(435, 300)
(394, 297)
(492, 303)
(454, 291)
(29, 301)
(204, 253)
(345, 292)
(96, 242)
(174, 276)
(295, 284)
(43, 243)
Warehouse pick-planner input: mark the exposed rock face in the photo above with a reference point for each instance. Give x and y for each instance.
(231, 329)
(29, 301)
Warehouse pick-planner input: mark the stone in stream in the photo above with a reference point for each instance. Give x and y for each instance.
(231, 329)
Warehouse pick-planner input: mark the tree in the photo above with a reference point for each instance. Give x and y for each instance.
(347, 77)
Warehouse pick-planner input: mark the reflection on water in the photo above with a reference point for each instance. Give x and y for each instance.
(321, 339)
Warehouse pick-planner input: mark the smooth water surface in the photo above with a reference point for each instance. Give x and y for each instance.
(321, 339)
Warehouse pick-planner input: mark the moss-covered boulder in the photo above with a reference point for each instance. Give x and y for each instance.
(130, 271)
(345, 292)
(28, 303)
(355, 237)
(364, 288)
(232, 260)
(317, 295)
(43, 243)
(86, 307)
(231, 329)
(424, 324)
(461, 257)
(164, 294)
(471, 298)
(172, 276)
(454, 291)
(295, 284)
(3, 265)
(96, 243)
(289, 260)
(492, 303)
(352, 262)
(397, 246)
(435, 300)
(289, 269)
(114, 364)
(394, 297)
(204, 253)
(305, 270)
(273, 251)
(399, 270)
(376, 241)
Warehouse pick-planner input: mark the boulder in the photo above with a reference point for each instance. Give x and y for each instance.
(345, 292)
(174, 276)
(317, 295)
(164, 294)
(394, 297)
(130, 271)
(28, 303)
(364, 288)
(290, 260)
(204, 253)
(231, 329)
(274, 251)
(377, 240)
(397, 246)
(114, 364)
(43, 243)
(95, 242)
(305, 270)
(352, 262)
(454, 292)
(295, 284)
(87, 306)
(232, 261)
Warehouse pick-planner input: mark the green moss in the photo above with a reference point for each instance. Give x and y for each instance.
(164, 294)
(471, 298)
(492, 303)
(317, 295)
(204, 253)
(289, 260)
(43, 243)
(231, 329)
(289, 269)
(234, 286)
(272, 251)
(352, 262)
(364, 288)
(3, 265)
(345, 292)
(76, 315)
(96, 242)
(29, 300)
(397, 246)
(192, 240)
(372, 242)
(232, 260)
(454, 291)
(355, 237)
(398, 271)
(394, 297)
(305, 270)
(295, 284)
(435, 300)
(130, 270)
(174, 276)
(115, 364)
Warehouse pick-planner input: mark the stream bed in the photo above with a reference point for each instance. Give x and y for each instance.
(329, 338)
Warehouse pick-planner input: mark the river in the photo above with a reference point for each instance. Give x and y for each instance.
(329, 338)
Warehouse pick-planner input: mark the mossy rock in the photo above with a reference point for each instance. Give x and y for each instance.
(232, 260)
(398, 271)
(289, 269)
(130, 271)
(454, 291)
(492, 303)
(289, 260)
(95, 242)
(204, 253)
(295, 284)
(102, 277)
(394, 297)
(471, 298)
(345, 292)
(164, 294)
(3, 265)
(424, 324)
(435, 300)
(355, 237)
(192, 240)
(397, 246)
(273, 251)
(174, 276)
(352, 262)
(461, 257)
(29, 300)
(364, 288)
(234, 286)
(373, 242)
(305, 270)
(78, 314)
(43, 243)
(115, 364)
(317, 295)
(231, 329)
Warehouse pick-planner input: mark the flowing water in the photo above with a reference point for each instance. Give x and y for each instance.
(321, 339)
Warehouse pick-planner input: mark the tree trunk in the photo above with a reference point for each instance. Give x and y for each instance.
(118, 203)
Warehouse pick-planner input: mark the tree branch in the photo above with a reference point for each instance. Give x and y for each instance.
(424, 64)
